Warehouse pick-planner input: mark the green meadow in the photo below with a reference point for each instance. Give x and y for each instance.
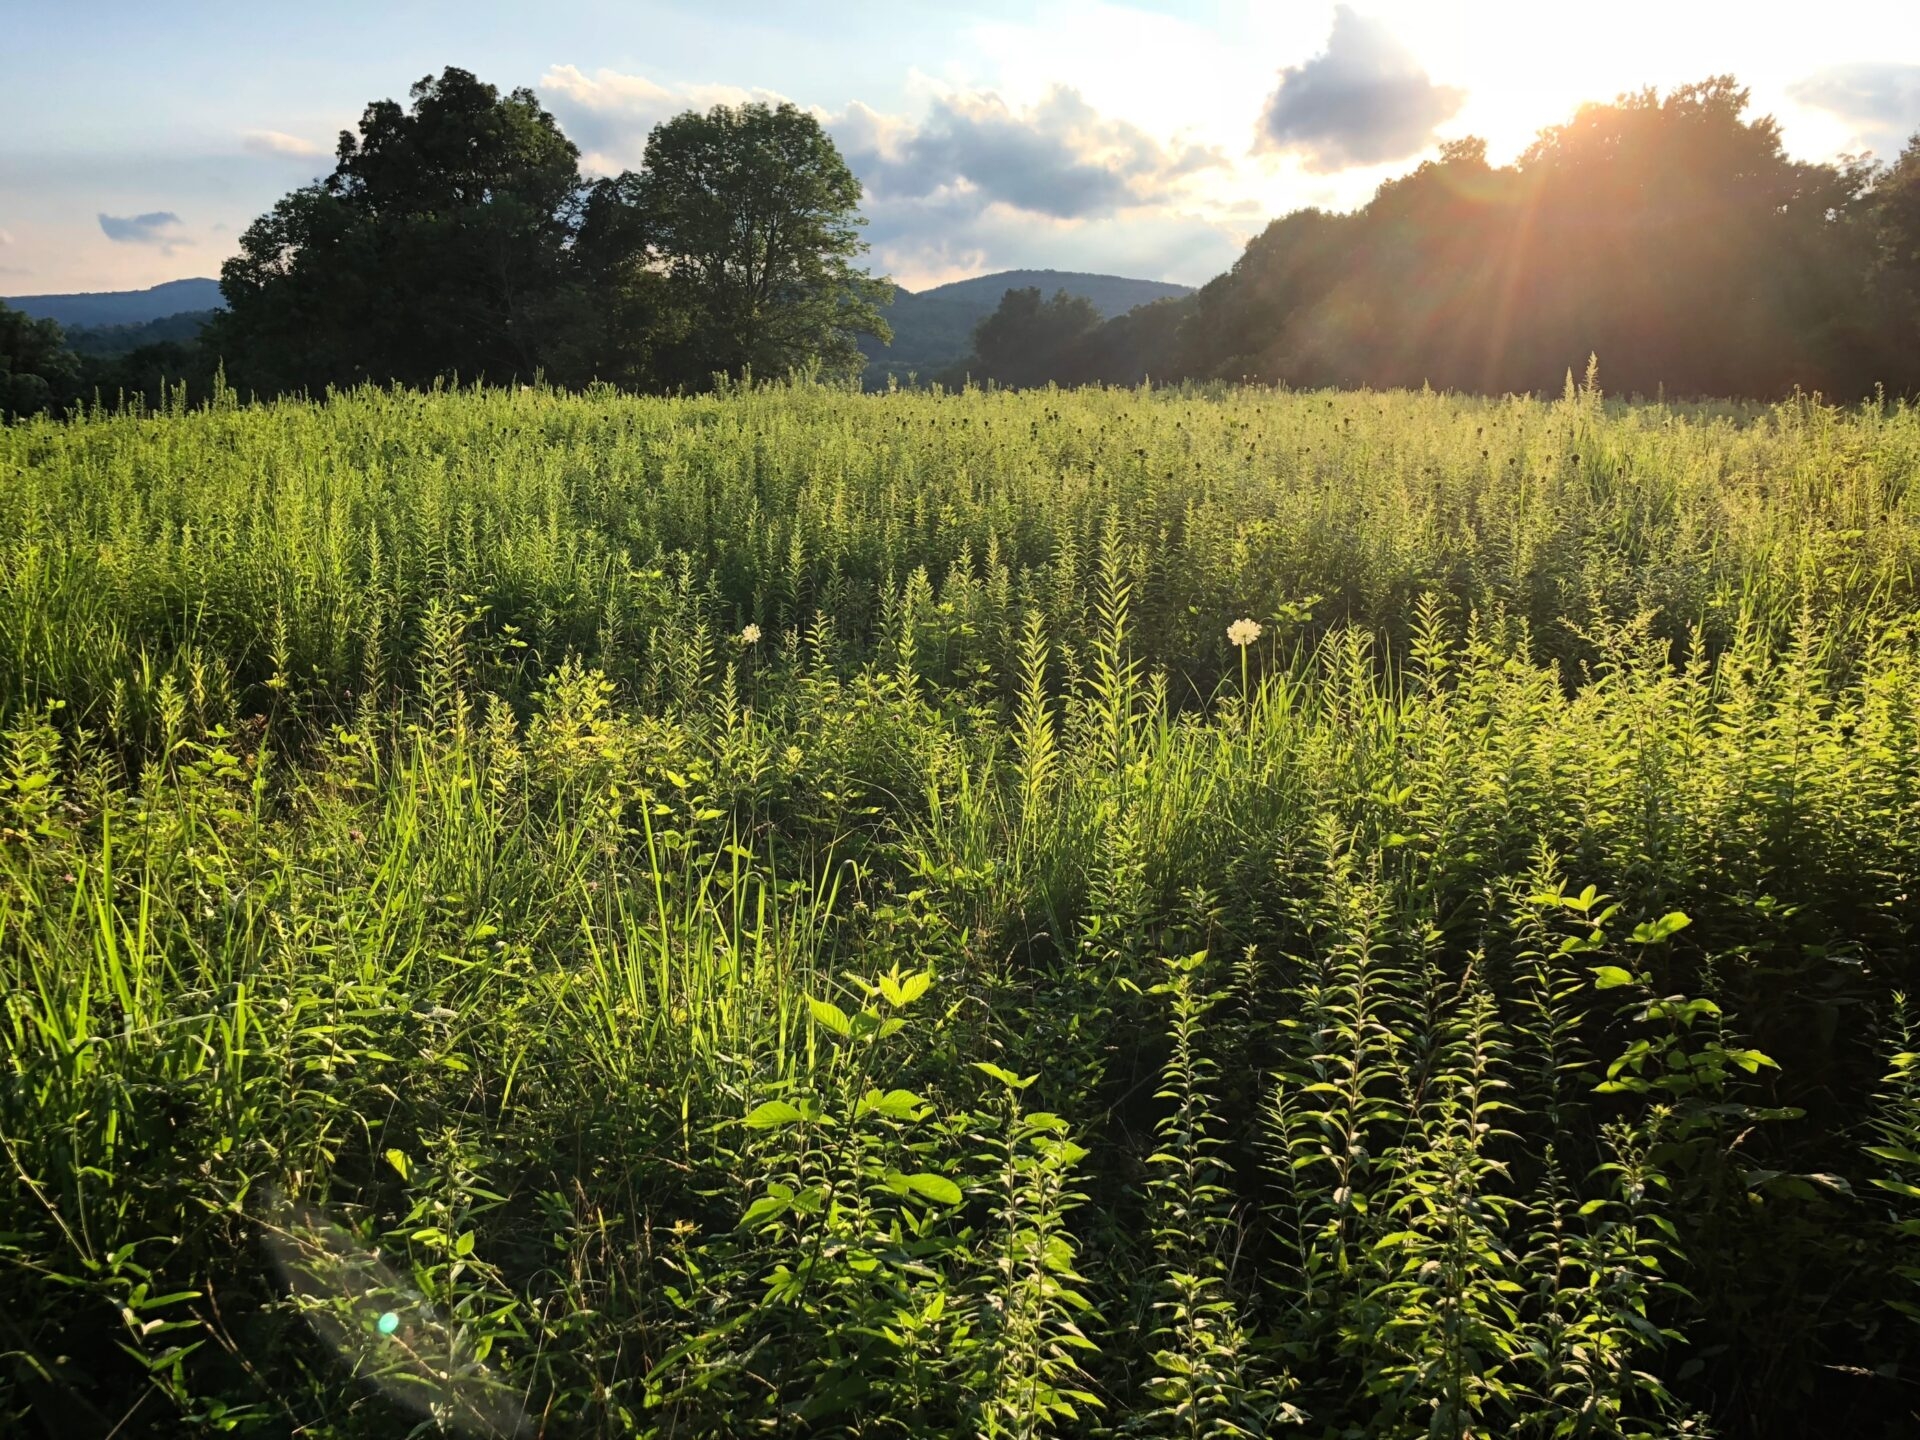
(786, 912)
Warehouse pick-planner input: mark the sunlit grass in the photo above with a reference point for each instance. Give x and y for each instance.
(799, 911)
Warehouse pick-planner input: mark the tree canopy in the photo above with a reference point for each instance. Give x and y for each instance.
(1027, 340)
(1669, 234)
(37, 370)
(754, 218)
(458, 237)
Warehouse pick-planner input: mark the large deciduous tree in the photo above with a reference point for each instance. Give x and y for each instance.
(458, 237)
(1026, 340)
(753, 216)
(37, 370)
(440, 245)
(1895, 207)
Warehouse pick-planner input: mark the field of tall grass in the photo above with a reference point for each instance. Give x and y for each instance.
(788, 913)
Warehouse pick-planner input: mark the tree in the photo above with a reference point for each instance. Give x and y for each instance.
(1895, 266)
(1670, 234)
(1026, 340)
(37, 370)
(441, 244)
(752, 215)
(1129, 349)
(458, 237)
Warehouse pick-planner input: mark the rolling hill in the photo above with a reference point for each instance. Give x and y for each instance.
(121, 307)
(933, 329)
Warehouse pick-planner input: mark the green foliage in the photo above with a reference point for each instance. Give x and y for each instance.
(545, 914)
(457, 239)
(1670, 233)
(438, 246)
(754, 217)
(38, 370)
(1025, 340)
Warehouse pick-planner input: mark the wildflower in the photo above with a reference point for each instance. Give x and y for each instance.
(750, 635)
(1243, 633)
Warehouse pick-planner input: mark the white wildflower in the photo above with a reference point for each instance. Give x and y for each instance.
(750, 635)
(1243, 633)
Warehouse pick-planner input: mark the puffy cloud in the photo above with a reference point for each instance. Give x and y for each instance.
(277, 143)
(1060, 158)
(1880, 100)
(609, 114)
(6, 237)
(157, 227)
(1365, 100)
(974, 184)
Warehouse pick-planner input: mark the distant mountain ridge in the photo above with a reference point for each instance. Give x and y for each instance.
(121, 307)
(933, 329)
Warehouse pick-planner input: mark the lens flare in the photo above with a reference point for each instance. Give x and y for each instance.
(384, 1331)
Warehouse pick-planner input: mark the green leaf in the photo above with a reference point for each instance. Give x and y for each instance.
(768, 1207)
(772, 1114)
(895, 1104)
(1005, 1077)
(1610, 977)
(1658, 932)
(830, 1016)
(398, 1160)
(936, 1188)
(901, 993)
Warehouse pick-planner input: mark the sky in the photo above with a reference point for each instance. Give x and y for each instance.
(1143, 139)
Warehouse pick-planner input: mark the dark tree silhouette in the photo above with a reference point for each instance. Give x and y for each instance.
(1671, 235)
(37, 370)
(457, 237)
(1026, 340)
(439, 245)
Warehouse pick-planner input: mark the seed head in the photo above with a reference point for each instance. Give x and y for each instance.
(1243, 633)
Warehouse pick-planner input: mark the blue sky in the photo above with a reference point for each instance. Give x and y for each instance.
(1147, 139)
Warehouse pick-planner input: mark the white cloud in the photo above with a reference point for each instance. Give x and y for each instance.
(609, 114)
(973, 183)
(1878, 102)
(1060, 157)
(277, 143)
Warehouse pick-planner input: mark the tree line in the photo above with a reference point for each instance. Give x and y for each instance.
(456, 238)
(1671, 235)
